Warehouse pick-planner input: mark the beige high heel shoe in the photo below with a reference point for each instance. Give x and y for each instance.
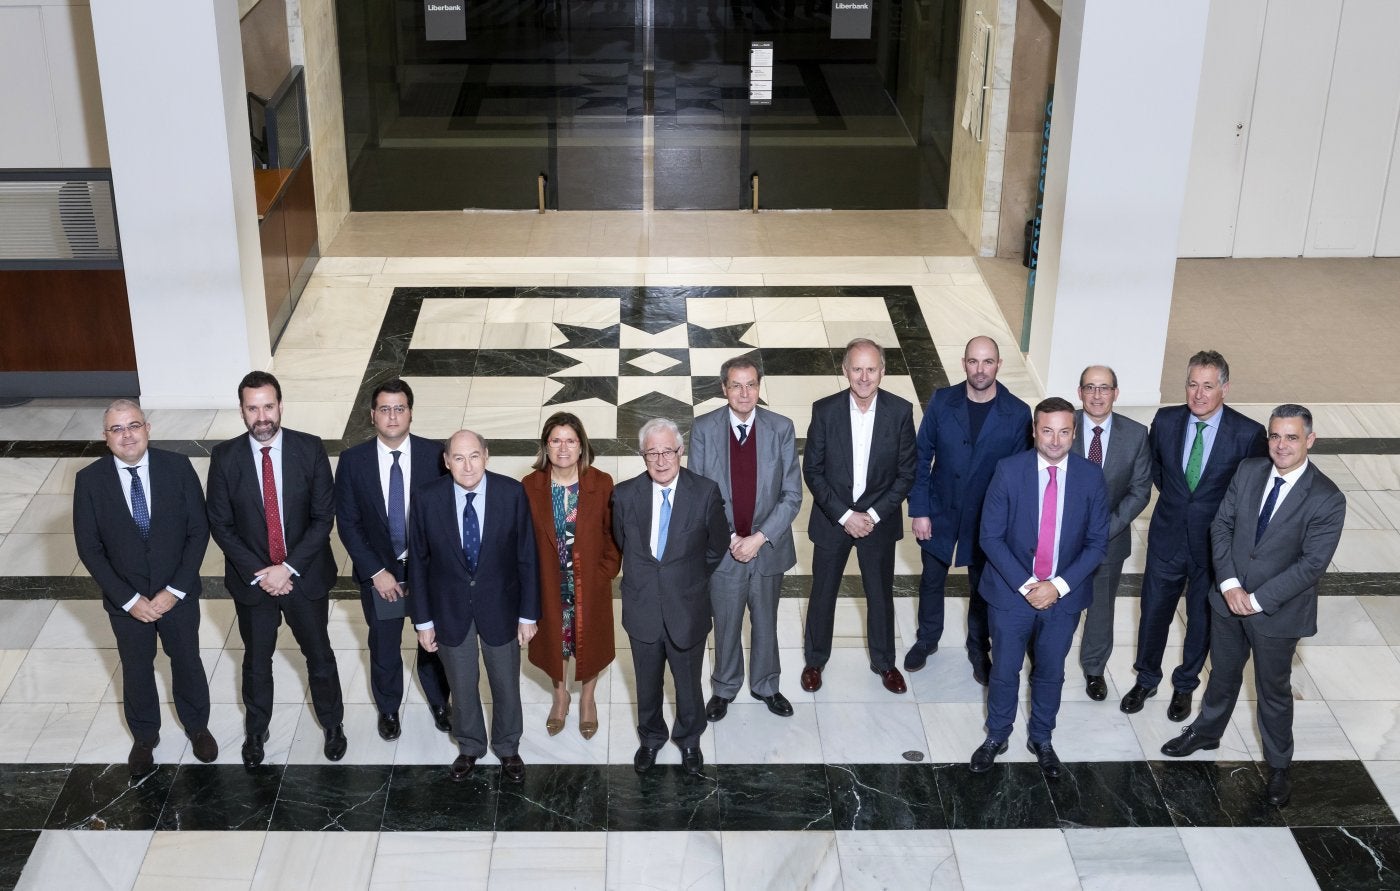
(587, 729)
(554, 725)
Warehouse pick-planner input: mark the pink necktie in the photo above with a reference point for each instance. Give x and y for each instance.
(1045, 545)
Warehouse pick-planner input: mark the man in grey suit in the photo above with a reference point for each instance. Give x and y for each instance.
(752, 454)
(1119, 446)
(1277, 529)
(670, 524)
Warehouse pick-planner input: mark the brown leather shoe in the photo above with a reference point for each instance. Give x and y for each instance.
(141, 759)
(205, 747)
(462, 767)
(892, 679)
(811, 679)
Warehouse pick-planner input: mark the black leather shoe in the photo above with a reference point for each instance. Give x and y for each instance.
(986, 755)
(692, 761)
(513, 768)
(777, 704)
(253, 749)
(644, 760)
(1096, 687)
(1180, 708)
(1135, 698)
(462, 767)
(981, 668)
(142, 759)
(1189, 741)
(442, 717)
(1279, 786)
(336, 743)
(389, 728)
(918, 654)
(1045, 754)
(717, 708)
(204, 746)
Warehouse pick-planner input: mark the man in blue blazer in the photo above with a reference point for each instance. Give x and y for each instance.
(1045, 532)
(1196, 449)
(967, 428)
(473, 583)
(373, 488)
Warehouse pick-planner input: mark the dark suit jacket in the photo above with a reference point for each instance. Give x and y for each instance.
(1181, 520)
(308, 511)
(951, 492)
(1127, 472)
(1011, 526)
(110, 545)
(361, 520)
(828, 467)
(1283, 568)
(505, 588)
(670, 596)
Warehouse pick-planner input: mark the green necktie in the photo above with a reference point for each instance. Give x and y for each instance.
(1198, 454)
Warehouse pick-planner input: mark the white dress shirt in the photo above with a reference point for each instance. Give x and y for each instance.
(862, 434)
(735, 421)
(143, 470)
(1289, 479)
(1042, 478)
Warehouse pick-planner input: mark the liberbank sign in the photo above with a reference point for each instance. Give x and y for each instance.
(850, 19)
(445, 19)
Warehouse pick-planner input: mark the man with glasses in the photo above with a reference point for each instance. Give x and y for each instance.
(670, 525)
(373, 487)
(140, 528)
(751, 453)
(1119, 446)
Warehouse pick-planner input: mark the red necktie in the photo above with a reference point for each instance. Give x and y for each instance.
(276, 546)
(1045, 545)
(1096, 447)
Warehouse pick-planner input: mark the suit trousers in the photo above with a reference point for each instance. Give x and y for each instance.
(649, 661)
(876, 559)
(386, 661)
(1097, 643)
(733, 588)
(464, 677)
(258, 625)
(178, 631)
(1163, 582)
(1047, 633)
(933, 583)
(1232, 639)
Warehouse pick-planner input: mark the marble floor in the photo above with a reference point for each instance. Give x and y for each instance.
(859, 789)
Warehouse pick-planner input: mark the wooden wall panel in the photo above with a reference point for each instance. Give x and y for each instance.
(65, 320)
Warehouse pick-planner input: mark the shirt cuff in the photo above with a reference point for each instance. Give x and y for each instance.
(132, 602)
(426, 626)
(1060, 585)
(1031, 582)
(844, 517)
(527, 621)
(874, 516)
(1254, 602)
(292, 568)
(1229, 584)
(179, 595)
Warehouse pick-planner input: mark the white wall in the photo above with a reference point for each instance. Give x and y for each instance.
(50, 99)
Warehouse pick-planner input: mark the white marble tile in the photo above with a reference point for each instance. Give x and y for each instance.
(228, 423)
(1317, 735)
(34, 422)
(21, 621)
(1353, 672)
(10, 661)
(1001, 859)
(1337, 471)
(838, 334)
(439, 421)
(1240, 859)
(349, 265)
(46, 513)
(870, 732)
(640, 860)
(576, 860)
(1368, 550)
(675, 337)
(948, 675)
(439, 391)
(1365, 512)
(707, 361)
(298, 860)
(76, 624)
(951, 264)
(716, 312)
(215, 860)
(619, 720)
(568, 747)
(631, 388)
(63, 676)
(422, 743)
(1096, 731)
(24, 476)
(1372, 727)
(786, 309)
(588, 312)
(108, 740)
(503, 422)
(330, 317)
(955, 729)
(591, 363)
(750, 734)
(43, 732)
(1154, 730)
(1342, 621)
(1386, 776)
(519, 309)
(319, 375)
(847, 676)
(520, 336)
(853, 309)
(170, 423)
(1131, 857)
(779, 861)
(38, 554)
(432, 859)
(1375, 471)
(84, 860)
(288, 675)
(325, 419)
(788, 334)
(1378, 419)
(1385, 613)
(882, 859)
(86, 424)
(365, 746)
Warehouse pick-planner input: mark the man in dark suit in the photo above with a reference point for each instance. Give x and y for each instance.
(373, 488)
(473, 584)
(1277, 529)
(140, 528)
(271, 508)
(1045, 532)
(752, 454)
(1119, 446)
(1196, 449)
(670, 525)
(859, 464)
(967, 428)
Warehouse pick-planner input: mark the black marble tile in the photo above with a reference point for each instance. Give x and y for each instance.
(423, 798)
(1357, 445)
(723, 336)
(666, 798)
(1357, 858)
(681, 355)
(28, 793)
(1358, 584)
(1334, 793)
(332, 797)
(706, 387)
(104, 796)
(220, 797)
(15, 847)
(1214, 793)
(554, 798)
(800, 360)
(581, 338)
(418, 295)
(632, 415)
(794, 291)
(653, 310)
(443, 363)
(885, 796)
(576, 389)
(762, 797)
(1108, 794)
(520, 363)
(1012, 795)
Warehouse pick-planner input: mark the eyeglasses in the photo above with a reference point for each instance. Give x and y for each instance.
(1097, 389)
(657, 454)
(737, 387)
(563, 443)
(385, 410)
(118, 430)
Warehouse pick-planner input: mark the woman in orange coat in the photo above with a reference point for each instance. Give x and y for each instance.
(570, 505)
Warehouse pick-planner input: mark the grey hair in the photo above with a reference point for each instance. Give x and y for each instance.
(1293, 410)
(1209, 359)
(655, 425)
(858, 342)
(124, 404)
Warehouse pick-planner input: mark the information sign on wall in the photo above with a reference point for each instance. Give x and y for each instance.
(850, 19)
(445, 19)
(761, 72)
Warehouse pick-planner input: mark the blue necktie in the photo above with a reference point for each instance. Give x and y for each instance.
(471, 534)
(139, 511)
(743, 433)
(1268, 511)
(398, 531)
(665, 525)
